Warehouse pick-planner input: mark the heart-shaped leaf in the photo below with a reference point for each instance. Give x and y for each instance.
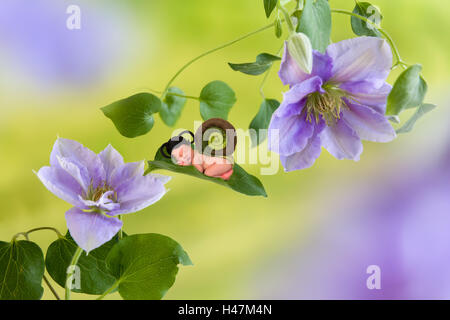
(133, 116)
(95, 277)
(315, 22)
(21, 270)
(421, 111)
(145, 265)
(239, 181)
(262, 120)
(408, 92)
(172, 106)
(216, 100)
(269, 5)
(261, 65)
(363, 28)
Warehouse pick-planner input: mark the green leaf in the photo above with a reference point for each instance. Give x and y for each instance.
(21, 270)
(362, 28)
(172, 106)
(408, 92)
(216, 100)
(133, 116)
(421, 111)
(315, 22)
(262, 120)
(262, 64)
(95, 277)
(145, 265)
(269, 5)
(239, 181)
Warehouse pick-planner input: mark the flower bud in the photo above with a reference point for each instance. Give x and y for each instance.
(300, 49)
(278, 28)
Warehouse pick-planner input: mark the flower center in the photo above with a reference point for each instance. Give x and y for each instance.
(97, 193)
(326, 105)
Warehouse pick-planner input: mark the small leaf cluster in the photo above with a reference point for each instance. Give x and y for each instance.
(139, 267)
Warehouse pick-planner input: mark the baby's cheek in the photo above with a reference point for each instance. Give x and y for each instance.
(183, 155)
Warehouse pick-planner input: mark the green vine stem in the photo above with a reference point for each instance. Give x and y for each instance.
(287, 17)
(70, 272)
(25, 234)
(266, 76)
(163, 95)
(121, 229)
(111, 289)
(382, 31)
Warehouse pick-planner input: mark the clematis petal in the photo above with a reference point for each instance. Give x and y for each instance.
(61, 184)
(293, 134)
(111, 160)
(368, 124)
(291, 74)
(76, 170)
(306, 157)
(139, 193)
(164, 179)
(125, 173)
(342, 141)
(361, 59)
(91, 230)
(81, 155)
(294, 99)
(365, 93)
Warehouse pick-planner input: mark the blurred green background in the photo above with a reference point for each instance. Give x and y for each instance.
(138, 45)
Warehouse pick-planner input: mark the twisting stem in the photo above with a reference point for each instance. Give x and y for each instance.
(26, 233)
(70, 271)
(382, 31)
(211, 51)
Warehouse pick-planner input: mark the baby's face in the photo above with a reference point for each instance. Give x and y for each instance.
(182, 155)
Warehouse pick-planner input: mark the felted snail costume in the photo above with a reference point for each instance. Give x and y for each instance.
(214, 143)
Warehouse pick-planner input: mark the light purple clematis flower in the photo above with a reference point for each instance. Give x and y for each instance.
(100, 187)
(342, 102)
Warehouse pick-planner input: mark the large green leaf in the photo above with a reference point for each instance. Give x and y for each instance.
(315, 22)
(21, 270)
(95, 277)
(269, 5)
(261, 65)
(408, 92)
(172, 106)
(262, 120)
(239, 181)
(420, 112)
(133, 116)
(216, 100)
(145, 265)
(362, 28)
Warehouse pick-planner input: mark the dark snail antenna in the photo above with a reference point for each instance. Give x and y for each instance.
(167, 148)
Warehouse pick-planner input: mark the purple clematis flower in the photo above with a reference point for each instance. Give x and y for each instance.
(100, 187)
(342, 102)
